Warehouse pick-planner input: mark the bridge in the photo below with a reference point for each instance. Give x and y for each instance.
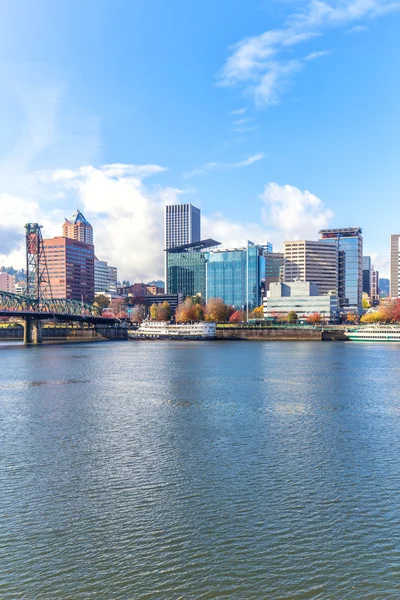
(38, 304)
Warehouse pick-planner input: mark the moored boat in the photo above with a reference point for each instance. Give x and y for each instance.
(161, 330)
(375, 333)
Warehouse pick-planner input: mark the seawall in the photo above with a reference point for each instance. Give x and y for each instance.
(279, 334)
(99, 333)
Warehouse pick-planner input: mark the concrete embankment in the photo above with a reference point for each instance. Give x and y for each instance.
(70, 334)
(278, 334)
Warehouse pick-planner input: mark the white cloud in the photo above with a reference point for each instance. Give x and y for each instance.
(291, 214)
(357, 29)
(216, 166)
(263, 64)
(238, 111)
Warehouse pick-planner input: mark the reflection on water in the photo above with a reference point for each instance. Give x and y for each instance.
(210, 470)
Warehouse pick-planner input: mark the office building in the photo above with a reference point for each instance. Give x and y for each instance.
(395, 266)
(181, 227)
(235, 275)
(303, 298)
(349, 243)
(374, 287)
(274, 262)
(7, 282)
(384, 287)
(366, 275)
(105, 277)
(78, 228)
(186, 268)
(312, 261)
(71, 268)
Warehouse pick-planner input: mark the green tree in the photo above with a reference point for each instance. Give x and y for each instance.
(102, 301)
(292, 317)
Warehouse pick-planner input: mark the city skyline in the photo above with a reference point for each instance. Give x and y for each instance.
(283, 125)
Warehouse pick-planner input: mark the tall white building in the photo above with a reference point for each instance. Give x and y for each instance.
(181, 226)
(105, 277)
(395, 265)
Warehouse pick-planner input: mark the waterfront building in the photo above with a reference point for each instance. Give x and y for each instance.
(71, 268)
(182, 226)
(366, 275)
(7, 282)
(349, 243)
(186, 266)
(306, 260)
(173, 300)
(78, 228)
(235, 275)
(105, 277)
(395, 265)
(303, 298)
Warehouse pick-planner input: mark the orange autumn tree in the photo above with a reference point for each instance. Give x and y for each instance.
(314, 319)
(217, 311)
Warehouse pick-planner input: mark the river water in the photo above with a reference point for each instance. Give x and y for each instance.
(210, 470)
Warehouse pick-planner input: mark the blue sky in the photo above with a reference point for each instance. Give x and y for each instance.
(275, 117)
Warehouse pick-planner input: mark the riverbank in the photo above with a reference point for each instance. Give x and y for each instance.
(99, 333)
(290, 334)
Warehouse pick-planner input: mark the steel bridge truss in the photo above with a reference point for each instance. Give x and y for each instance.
(54, 307)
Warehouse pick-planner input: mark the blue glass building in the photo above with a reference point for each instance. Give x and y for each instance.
(235, 275)
(186, 266)
(349, 242)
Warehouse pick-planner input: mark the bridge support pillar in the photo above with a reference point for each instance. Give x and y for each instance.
(32, 331)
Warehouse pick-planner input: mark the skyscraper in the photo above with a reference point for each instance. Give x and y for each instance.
(181, 226)
(349, 243)
(71, 268)
(78, 228)
(395, 265)
(314, 262)
(367, 271)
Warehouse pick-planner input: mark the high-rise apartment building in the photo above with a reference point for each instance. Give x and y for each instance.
(349, 243)
(186, 266)
(395, 265)
(235, 275)
(78, 228)
(181, 227)
(71, 268)
(312, 261)
(7, 282)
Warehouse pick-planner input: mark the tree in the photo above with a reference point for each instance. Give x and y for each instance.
(216, 310)
(138, 313)
(154, 312)
(118, 307)
(164, 312)
(258, 313)
(351, 318)
(187, 311)
(237, 317)
(314, 319)
(292, 317)
(102, 301)
(366, 301)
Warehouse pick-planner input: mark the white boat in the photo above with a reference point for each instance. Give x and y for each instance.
(374, 333)
(161, 330)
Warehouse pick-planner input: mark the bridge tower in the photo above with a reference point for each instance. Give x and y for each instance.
(37, 279)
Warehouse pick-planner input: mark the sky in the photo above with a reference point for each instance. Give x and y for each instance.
(276, 117)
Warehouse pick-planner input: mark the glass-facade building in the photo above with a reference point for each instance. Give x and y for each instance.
(186, 266)
(235, 275)
(349, 242)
